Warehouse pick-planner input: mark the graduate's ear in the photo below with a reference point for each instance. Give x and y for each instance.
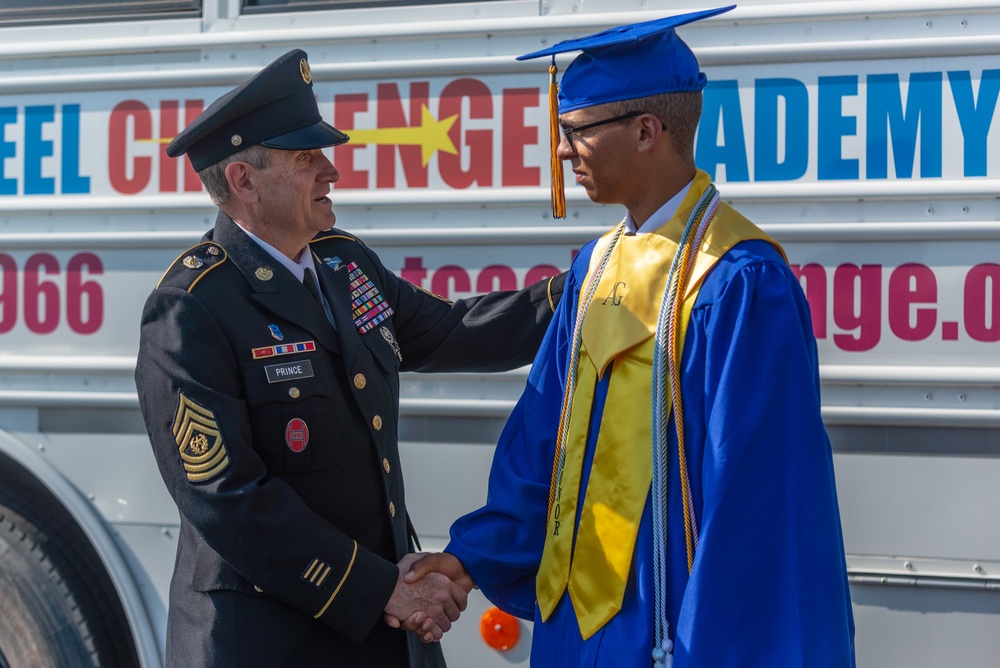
(652, 132)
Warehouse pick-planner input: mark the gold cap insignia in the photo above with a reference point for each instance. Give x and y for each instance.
(236, 140)
(264, 273)
(192, 262)
(199, 441)
(304, 70)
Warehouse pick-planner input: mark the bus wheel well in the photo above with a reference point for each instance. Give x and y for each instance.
(59, 603)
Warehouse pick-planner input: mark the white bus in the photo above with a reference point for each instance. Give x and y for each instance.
(859, 134)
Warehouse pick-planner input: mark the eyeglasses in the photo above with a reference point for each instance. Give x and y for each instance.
(570, 131)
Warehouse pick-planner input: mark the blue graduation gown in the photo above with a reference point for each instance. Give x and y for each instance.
(769, 582)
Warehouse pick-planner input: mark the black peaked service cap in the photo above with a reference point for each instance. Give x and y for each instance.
(274, 108)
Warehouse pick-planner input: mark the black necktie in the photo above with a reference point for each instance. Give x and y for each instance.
(309, 280)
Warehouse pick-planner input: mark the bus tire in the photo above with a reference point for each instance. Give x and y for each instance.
(57, 605)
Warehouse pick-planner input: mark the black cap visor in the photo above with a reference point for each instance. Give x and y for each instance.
(317, 135)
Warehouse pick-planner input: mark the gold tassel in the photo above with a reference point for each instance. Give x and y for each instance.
(558, 189)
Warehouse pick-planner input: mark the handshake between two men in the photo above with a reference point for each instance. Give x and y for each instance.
(430, 594)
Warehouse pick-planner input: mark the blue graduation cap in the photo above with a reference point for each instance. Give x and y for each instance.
(622, 63)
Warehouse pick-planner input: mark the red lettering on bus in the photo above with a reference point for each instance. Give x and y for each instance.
(450, 277)
(168, 128)
(517, 136)
(39, 292)
(812, 278)
(119, 167)
(84, 298)
(8, 293)
(479, 157)
(541, 272)
(982, 302)
(345, 107)
(414, 271)
(390, 115)
(857, 305)
(910, 284)
(41, 296)
(496, 277)
(192, 109)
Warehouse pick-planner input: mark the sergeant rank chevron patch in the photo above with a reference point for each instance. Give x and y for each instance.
(199, 440)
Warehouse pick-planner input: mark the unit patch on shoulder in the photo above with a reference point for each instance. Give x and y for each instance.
(316, 572)
(199, 441)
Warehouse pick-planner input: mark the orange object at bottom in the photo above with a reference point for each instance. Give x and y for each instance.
(500, 630)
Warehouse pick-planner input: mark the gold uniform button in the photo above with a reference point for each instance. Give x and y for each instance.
(293, 392)
(392, 508)
(385, 464)
(377, 422)
(360, 381)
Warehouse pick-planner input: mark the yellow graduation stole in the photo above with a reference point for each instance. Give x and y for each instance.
(616, 322)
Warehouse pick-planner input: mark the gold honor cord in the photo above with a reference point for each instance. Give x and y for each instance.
(675, 343)
(675, 313)
(555, 135)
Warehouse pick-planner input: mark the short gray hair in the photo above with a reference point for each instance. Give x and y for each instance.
(214, 176)
(680, 112)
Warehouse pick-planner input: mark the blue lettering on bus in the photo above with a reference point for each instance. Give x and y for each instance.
(830, 162)
(768, 95)
(722, 105)
(975, 115)
(72, 181)
(8, 149)
(887, 120)
(36, 148)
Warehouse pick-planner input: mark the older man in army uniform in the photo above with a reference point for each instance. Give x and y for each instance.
(268, 378)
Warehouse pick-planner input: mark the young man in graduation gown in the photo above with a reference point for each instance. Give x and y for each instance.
(663, 493)
(268, 377)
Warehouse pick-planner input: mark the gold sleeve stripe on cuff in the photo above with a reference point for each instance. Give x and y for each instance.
(340, 584)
